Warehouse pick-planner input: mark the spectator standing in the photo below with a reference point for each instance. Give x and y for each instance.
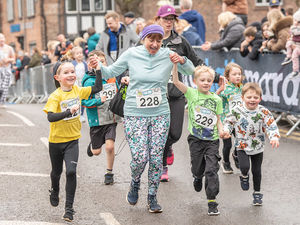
(129, 19)
(193, 17)
(116, 38)
(93, 38)
(7, 58)
(280, 26)
(82, 43)
(63, 47)
(252, 43)
(237, 7)
(36, 59)
(231, 31)
(293, 46)
(24, 60)
(188, 32)
(273, 5)
(45, 57)
(140, 23)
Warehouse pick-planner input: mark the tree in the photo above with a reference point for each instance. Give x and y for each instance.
(129, 5)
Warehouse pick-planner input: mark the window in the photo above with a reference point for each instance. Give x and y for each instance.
(85, 5)
(30, 8)
(99, 5)
(264, 2)
(71, 5)
(20, 8)
(175, 3)
(10, 10)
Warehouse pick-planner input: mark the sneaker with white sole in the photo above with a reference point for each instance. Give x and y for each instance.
(213, 208)
(164, 177)
(153, 206)
(227, 169)
(294, 74)
(244, 183)
(257, 199)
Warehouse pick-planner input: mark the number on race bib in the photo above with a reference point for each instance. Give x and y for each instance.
(148, 98)
(205, 117)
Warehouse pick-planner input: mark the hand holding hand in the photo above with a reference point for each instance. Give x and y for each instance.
(274, 143)
(175, 58)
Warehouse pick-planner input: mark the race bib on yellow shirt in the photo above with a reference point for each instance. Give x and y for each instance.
(68, 104)
(148, 98)
(204, 117)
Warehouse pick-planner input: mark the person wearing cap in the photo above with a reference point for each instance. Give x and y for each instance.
(116, 38)
(273, 5)
(237, 7)
(63, 113)
(193, 17)
(146, 109)
(166, 17)
(129, 19)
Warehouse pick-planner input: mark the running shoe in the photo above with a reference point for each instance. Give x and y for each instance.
(89, 150)
(54, 198)
(164, 177)
(109, 178)
(69, 213)
(170, 157)
(133, 194)
(286, 61)
(153, 206)
(244, 183)
(213, 209)
(197, 184)
(227, 169)
(257, 199)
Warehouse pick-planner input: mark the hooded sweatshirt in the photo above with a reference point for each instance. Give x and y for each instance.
(197, 21)
(98, 112)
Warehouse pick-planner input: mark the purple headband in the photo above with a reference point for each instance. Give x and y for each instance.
(151, 29)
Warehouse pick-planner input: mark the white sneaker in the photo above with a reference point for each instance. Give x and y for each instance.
(294, 74)
(286, 60)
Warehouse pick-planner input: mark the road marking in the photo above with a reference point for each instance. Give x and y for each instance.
(12, 222)
(15, 144)
(45, 141)
(23, 118)
(109, 219)
(11, 125)
(24, 174)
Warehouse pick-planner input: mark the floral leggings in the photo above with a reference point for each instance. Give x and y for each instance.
(146, 137)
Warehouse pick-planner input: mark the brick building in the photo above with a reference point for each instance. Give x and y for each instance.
(30, 23)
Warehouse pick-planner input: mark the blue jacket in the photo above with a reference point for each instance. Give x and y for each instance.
(192, 36)
(197, 21)
(93, 41)
(97, 112)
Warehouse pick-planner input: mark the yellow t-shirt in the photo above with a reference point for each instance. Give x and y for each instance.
(67, 129)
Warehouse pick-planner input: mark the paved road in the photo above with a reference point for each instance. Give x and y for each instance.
(24, 183)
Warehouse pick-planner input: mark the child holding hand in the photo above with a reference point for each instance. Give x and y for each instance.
(205, 127)
(63, 111)
(251, 121)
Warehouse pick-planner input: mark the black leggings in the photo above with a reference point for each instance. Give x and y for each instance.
(176, 123)
(67, 152)
(227, 145)
(256, 162)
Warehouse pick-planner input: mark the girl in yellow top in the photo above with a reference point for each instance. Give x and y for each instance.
(63, 109)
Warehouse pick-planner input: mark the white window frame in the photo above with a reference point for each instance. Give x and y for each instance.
(104, 6)
(176, 6)
(20, 8)
(91, 6)
(75, 11)
(30, 8)
(10, 10)
(265, 3)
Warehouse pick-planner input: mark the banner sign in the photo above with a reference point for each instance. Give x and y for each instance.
(280, 92)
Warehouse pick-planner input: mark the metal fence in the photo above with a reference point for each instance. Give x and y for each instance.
(34, 86)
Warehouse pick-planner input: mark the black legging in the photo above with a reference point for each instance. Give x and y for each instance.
(67, 152)
(176, 122)
(256, 161)
(227, 145)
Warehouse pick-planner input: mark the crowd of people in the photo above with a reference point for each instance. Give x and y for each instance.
(151, 58)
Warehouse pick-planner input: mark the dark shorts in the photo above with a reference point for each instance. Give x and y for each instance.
(100, 134)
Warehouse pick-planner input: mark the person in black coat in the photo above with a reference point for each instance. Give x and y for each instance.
(252, 43)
